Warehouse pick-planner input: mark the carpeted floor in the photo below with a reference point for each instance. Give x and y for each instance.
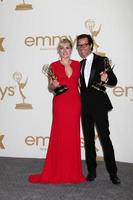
(14, 184)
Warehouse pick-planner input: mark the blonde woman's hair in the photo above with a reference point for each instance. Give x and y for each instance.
(64, 41)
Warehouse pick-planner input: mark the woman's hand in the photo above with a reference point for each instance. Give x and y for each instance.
(55, 83)
(52, 85)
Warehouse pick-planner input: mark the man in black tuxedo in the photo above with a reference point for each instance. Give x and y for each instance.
(95, 107)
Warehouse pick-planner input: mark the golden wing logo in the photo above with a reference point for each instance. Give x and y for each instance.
(24, 6)
(17, 76)
(90, 25)
(1, 46)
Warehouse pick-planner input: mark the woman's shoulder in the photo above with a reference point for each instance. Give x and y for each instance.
(76, 65)
(55, 63)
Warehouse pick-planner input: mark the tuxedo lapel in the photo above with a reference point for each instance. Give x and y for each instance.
(93, 70)
(82, 73)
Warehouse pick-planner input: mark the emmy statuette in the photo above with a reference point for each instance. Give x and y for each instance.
(49, 73)
(107, 67)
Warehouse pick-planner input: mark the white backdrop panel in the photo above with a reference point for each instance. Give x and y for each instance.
(28, 39)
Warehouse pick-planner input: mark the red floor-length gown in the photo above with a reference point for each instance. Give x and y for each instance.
(63, 159)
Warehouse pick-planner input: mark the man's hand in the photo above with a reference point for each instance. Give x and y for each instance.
(104, 77)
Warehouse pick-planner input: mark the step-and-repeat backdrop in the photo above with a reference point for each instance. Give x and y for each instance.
(29, 33)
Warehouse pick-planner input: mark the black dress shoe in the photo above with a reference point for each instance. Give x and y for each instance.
(91, 177)
(115, 179)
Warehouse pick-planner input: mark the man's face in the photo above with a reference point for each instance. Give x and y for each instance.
(83, 47)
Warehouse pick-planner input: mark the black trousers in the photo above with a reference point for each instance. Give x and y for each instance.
(91, 118)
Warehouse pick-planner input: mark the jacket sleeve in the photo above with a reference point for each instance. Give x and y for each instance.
(112, 79)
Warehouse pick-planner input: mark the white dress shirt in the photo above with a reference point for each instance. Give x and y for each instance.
(87, 69)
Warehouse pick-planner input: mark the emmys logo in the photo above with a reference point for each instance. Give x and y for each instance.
(90, 25)
(17, 76)
(126, 91)
(24, 6)
(1, 46)
(40, 141)
(1, 144)
(47, 42)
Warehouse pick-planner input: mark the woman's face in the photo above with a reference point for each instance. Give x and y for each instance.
(65, 50)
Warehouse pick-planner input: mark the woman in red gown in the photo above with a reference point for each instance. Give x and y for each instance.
(63, 159)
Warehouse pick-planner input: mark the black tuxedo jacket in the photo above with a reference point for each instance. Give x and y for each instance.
(93, 98)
